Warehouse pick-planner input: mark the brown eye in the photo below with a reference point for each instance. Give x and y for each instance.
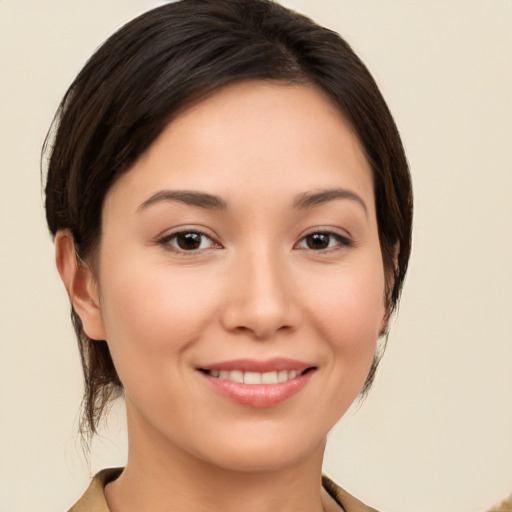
(323, 240)
(318, 241)
(188, 241)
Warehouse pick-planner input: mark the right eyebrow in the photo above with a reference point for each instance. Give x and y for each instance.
(192, 197)
(310, 199)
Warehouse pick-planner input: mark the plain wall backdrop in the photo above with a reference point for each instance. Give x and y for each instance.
(436, 432)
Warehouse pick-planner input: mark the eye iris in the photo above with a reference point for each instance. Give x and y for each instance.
(318, 241)
(188, 241)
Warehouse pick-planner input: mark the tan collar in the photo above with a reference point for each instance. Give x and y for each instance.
(343, 498)
(93, 500)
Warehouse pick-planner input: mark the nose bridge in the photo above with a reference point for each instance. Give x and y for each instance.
(259, 299)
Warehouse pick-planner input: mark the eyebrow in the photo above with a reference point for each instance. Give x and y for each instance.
(213, 202)
(312, 199)
(201, 199)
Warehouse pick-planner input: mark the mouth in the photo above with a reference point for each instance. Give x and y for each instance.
(254, 378)
(258, 384)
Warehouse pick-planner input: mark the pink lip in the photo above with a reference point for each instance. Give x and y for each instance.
(252, 365)
(259, 395)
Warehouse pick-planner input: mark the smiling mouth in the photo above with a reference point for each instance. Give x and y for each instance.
(247, 377)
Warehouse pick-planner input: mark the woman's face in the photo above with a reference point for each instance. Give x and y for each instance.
(243, 245)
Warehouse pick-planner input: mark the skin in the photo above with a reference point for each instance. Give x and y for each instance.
(253, 288)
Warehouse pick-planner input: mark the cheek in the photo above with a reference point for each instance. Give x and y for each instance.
(345, 309)
(154, 312)
(350, 311)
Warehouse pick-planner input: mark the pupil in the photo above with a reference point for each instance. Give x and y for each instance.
(318, 241)
(189, 241)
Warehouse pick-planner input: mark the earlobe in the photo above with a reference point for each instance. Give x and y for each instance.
(80, 285)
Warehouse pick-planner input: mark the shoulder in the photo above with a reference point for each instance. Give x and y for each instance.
(347, 502)
(93, 500)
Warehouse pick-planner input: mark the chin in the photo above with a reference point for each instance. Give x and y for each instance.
(255, 454)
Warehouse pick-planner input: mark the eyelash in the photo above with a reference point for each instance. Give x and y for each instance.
(341, 241)
(166, 241)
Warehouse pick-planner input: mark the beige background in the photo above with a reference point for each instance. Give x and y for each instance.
(436, 432)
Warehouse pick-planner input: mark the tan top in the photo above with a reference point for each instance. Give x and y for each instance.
(93, 499)
(504, 506)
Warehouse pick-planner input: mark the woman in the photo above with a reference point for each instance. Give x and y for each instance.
(231, 209)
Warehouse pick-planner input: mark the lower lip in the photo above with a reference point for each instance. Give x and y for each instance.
(259, 395)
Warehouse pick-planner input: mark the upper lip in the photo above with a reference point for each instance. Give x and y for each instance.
(253, 365)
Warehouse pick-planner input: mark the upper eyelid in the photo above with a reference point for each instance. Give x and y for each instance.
(328, 230)
(169, 233)
(182, 231)
(333, 234)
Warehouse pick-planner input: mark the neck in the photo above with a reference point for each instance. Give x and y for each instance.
(160, 476)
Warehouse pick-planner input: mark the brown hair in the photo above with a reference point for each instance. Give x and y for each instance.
(161, 62)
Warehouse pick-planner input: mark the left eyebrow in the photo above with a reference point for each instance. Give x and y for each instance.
(191, 197)
(312, 199)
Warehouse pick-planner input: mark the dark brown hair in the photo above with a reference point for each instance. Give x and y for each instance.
(157, 65)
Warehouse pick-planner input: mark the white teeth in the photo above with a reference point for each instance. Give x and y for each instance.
(282, 376)
(236, 376)
(252, 378)
(269, 378)
(255, 377)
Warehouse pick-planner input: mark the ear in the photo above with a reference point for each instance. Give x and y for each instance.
(80, 284)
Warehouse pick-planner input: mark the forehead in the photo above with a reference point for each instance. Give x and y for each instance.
(250, 138)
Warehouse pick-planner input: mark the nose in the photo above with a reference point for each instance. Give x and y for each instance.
(260, 300)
